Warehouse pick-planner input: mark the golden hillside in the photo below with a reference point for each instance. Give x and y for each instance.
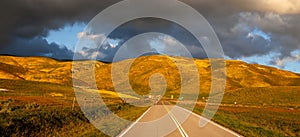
(239, 74)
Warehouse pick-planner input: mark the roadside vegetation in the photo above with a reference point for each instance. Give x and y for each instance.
(37, 97)
(260, 112)
(45, 109)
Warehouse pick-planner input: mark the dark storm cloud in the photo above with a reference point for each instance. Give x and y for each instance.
(233, 21)
(281, 28)
(24, 22)
(37, 47)
(138, 27)
(27, 19)
(144, 25)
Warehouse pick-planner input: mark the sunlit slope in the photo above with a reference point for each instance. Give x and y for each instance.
(39, 69)
(35, 69)
(239, 74)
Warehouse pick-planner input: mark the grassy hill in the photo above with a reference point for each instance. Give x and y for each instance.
(239, 74)
(37, 90)
(30, 108)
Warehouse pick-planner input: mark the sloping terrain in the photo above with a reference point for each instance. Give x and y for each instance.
(239, 74)
(38, 90)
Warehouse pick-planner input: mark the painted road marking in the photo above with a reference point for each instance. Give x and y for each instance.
(123, 133)
(179, 127)
(177, 123)
(207, 120)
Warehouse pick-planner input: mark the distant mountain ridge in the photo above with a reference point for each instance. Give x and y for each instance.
(239, 74)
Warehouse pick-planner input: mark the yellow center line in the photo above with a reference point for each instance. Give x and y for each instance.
(179, 127)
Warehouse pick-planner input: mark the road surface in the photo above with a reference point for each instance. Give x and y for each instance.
(173, 121)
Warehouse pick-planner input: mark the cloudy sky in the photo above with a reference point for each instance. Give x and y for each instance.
(256, 31)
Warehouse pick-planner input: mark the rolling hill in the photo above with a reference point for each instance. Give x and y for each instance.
(239, 74)
(38, 90)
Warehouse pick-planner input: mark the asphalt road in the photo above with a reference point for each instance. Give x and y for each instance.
(173, 121)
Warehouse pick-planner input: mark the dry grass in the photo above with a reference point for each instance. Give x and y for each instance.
(45, 109)
(239, 74)
(41, 88)
(258, 121)
(263, 111)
